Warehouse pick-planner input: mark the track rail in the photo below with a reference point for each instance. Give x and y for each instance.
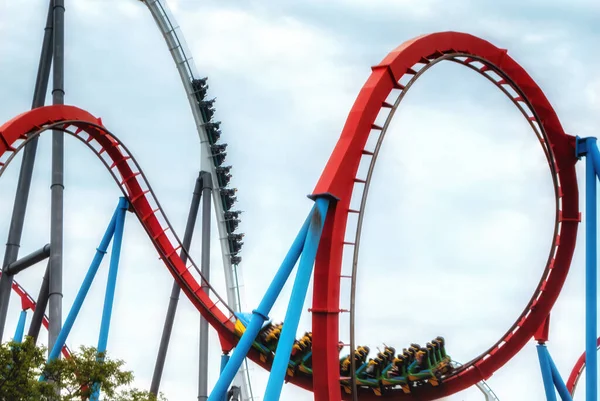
(184, 63)
(188, 72)
(28, 303)
(132, 182)
(364, 185)
(483, 387)
(397, 72)
(578, 371)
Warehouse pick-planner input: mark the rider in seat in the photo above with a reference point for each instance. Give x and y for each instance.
(398, 367)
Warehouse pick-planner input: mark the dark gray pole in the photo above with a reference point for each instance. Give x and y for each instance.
(203, 357)
(28, 261)
(22, 195)
(168, 327)
(40, 308)
(57, 186)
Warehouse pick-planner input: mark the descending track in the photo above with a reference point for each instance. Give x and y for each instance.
(28, 303)
(188, 73)
(396, 72)
(134, 185)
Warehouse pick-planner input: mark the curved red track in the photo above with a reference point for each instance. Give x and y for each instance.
(578, 370)
(128, 175)
(340, 173)
(27, 303)
(338, 179)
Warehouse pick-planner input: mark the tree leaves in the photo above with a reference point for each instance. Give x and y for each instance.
(22, 364)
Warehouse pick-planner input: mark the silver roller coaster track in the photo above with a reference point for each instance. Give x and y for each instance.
(187, 72)
(483, 387)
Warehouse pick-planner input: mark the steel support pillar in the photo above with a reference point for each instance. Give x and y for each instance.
(260, 314)
(294, 311)
(546, 372)
(20, 327)
(111, 286)
(85, 287)
(205, 268)
(224, 360)
(24, 182)
(176, 290)
(40, 308)
(591, 262)
(551, 376)
(558, 381)
(57, 187)
(28, 261)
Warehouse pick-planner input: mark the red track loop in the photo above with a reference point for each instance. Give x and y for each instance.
(577, 371)
(339, 176)
(130, 178)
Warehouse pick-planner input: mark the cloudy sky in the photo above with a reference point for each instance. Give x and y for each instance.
(460, 213)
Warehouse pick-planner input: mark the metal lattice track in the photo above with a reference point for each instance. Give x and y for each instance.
(187, 72)
(482, 386)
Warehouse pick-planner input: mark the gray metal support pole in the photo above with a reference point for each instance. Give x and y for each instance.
(57, 186)
(205, 268)
(28, 261)
(176, 290)
(22, 195)
(40, 308)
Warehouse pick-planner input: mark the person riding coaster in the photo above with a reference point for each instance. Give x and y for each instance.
(300, 349)
(306, 364)
(395, 374)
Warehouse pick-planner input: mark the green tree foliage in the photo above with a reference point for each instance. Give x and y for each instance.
(21, 366)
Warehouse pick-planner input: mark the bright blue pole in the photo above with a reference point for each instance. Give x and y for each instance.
(292, 316)
(558, 381)
(83, 290)
(20, 327)
(260, 314)
(591, 308)
(224, 360)
(111, 285)
(546, 372)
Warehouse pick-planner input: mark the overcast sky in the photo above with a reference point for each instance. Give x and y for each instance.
(460, 213)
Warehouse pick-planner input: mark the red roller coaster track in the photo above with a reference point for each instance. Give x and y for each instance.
(338, 179)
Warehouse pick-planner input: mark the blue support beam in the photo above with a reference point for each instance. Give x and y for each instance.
(111, 285)
(546, 372)
(83, 290)
(292, 316)
(260, 314)
(20, 327)
(224, 361)
(558, 381)
(591, 261)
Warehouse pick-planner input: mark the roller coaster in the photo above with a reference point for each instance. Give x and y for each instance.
(314, 361)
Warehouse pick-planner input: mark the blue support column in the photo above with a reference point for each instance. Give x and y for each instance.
(260, 314)
(83, 290)
(111, 285)
(20, 327)
(224, 361)
(558, 381)
(546, 372)
(292, 316)
(591, 308)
